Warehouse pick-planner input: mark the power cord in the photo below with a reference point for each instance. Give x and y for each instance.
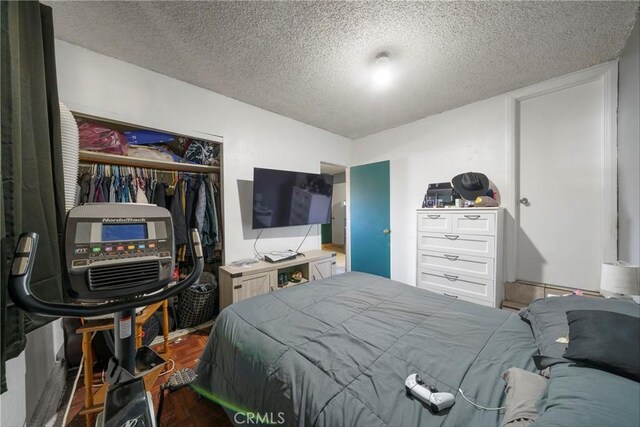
(478, 406)
(173, 365)
(73, 389)
(257, 254)
(305, 238)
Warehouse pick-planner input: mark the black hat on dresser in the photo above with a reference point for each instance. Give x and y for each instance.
(471, 185)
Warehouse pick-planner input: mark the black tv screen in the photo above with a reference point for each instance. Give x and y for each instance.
(285, 198)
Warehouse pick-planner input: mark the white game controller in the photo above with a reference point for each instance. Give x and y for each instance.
(428, 394)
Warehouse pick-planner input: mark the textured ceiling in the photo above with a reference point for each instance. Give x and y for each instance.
(312, 61)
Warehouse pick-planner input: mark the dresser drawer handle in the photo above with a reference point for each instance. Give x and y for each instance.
(434, 216)
(448, 295)
(450, 277)
(451, 257)
(472, 216)
(451, 236)
(237, 287)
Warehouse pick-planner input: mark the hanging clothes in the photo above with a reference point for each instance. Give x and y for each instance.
(84, 182)
(92, 188)
(141, 197)
(201, 206)
(132, 188)
(98, 197)
(190, 211)
(106, 188)
(218, 208)
(148, 192)
(78, 194)
(216, 228)
(182, 250)
(193, 200)
(160, 194)
(210, 231)
(177, 215)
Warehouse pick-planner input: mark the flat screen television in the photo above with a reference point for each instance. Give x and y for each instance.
(286, 198)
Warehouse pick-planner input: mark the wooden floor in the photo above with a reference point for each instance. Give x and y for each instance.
(181, 408)
(331, 247)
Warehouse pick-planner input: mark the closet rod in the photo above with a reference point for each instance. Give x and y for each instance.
(114, 159)
(88, 167)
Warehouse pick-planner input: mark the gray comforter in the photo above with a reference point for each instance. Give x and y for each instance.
(337, 352)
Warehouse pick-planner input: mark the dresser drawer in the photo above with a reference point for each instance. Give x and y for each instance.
(474, 223)
(468, 265)
(463, 287)
(468, 244)
(434, 222)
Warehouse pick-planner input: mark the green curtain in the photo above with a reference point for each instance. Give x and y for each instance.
(32, 192)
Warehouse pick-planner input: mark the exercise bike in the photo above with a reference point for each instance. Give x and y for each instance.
(118, 256)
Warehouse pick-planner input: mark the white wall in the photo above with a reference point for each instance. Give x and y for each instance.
(43, 346)
(474, 137)
(24, 388)
(95, 84)
(13, 404)
(629, 149)
(434, 149)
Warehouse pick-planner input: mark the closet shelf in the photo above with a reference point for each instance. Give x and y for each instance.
(114, 159)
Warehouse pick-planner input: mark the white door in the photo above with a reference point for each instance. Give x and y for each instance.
(561, 140)
(338, 213)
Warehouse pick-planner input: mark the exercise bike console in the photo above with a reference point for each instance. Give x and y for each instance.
(78, 282)
(111, 253)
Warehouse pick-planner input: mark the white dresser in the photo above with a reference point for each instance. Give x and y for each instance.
(460, 253)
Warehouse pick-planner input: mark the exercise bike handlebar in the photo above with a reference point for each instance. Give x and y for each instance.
(20, 290)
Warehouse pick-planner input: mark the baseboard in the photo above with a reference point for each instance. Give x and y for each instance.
(522, 292)
(52, 395)
(178, 333)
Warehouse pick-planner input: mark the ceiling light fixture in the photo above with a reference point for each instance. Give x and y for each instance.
(382, 72)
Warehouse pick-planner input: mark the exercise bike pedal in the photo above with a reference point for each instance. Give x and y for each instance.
(180, 378)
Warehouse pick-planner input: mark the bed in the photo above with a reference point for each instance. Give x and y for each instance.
(336, 352)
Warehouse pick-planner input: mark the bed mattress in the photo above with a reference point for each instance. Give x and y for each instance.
(336, 352)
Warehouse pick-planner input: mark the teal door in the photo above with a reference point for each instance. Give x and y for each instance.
(370, 234)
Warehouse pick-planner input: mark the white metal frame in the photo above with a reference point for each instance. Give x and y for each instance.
(608, 74)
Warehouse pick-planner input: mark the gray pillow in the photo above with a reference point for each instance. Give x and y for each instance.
(523, 389)
(584, 397)
(548, 319)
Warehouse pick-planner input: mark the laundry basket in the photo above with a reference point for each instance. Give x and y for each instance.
(197, 303)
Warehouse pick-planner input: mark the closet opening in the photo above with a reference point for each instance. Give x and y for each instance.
(125, 163)
(333, 235)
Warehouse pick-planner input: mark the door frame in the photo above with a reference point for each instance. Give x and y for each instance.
(607, 73)
(347, 231)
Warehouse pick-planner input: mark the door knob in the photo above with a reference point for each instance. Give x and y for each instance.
(386, 231)
(524, 201)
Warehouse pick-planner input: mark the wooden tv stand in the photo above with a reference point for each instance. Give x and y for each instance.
(238, 283)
